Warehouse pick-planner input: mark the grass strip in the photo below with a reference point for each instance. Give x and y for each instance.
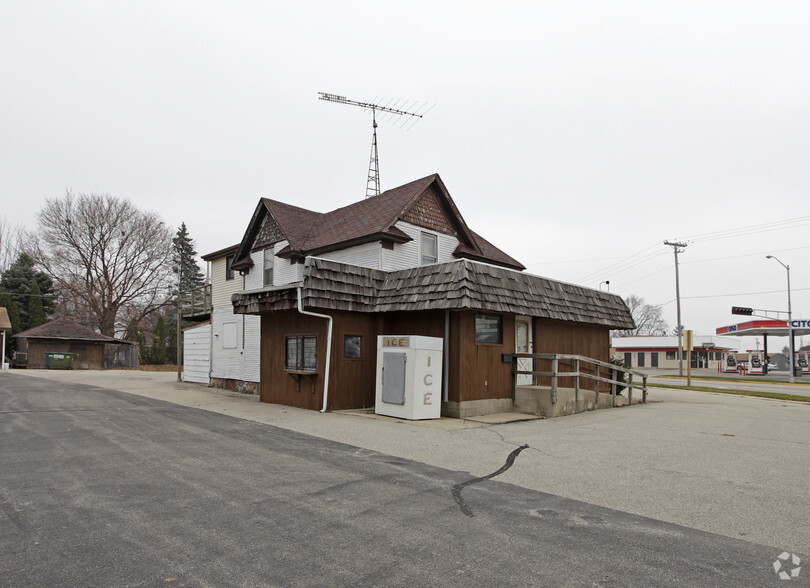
(732, 380)
(757, 393)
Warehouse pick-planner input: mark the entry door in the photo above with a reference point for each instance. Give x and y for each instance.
(523, 344)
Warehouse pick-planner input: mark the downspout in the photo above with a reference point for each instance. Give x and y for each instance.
(209, 274)
(445, 362)
(328, 344)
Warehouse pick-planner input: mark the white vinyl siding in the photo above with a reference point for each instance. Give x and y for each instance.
(242, 361)
(284, 271)
(197, 354)
(366, 255)
(221, 289)
(406, 255)
(255, 277)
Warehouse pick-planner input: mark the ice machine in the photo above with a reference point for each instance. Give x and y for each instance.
(409, 377)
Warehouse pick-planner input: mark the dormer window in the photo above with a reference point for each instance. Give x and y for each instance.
(268, 266)
(429, 248)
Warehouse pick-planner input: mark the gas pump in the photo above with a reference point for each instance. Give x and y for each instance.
(804, 366)
(731, 364)
(756, 363)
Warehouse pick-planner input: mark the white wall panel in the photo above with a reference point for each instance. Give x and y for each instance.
(221, 289)
(196, 354)
(241, 362)
(255, 278)
(407, 255)
(286, 272)
(366, 255)
(252, 348)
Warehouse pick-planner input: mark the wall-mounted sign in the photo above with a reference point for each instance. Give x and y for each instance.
(396, 341)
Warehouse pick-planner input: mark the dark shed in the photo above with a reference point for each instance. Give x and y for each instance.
(92, 350)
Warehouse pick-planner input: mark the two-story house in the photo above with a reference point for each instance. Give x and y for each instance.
(324, 286)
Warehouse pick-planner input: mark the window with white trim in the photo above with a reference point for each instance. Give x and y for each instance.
(429, 248)
(268, 266)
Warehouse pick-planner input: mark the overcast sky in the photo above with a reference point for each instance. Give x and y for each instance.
(576, 136)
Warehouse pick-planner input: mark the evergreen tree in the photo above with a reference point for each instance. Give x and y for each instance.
(18, 281)
(185, 260)
(36, 311)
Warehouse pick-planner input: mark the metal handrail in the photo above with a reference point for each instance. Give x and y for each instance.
(555, 374)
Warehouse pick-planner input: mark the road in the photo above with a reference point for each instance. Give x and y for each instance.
(104, 488)
(800, 388)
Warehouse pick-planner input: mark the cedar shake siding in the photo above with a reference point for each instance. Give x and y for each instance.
(422, 301)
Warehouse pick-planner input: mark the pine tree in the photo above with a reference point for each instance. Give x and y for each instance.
(185, 260)
(18, 281)
(36, 311)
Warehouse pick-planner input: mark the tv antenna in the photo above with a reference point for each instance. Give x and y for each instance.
(373, 182)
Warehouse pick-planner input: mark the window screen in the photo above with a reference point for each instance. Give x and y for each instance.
(430, 248)
(301, 353)
(268, 266)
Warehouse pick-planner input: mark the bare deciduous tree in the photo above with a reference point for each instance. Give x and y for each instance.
(106, 255)
(12, 243)
(648, 318)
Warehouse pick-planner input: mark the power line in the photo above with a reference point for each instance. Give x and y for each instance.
(625, 264)
(782, 291)
(793, 223)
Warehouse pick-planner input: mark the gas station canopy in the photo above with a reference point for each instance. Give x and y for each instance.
(774, 328)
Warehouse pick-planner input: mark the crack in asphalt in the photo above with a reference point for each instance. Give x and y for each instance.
(510, 460)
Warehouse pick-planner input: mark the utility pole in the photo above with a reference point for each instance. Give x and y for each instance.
(677, 248)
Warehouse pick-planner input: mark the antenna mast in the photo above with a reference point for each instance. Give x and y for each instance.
(373, 181)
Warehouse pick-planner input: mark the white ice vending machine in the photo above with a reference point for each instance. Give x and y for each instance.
(409, 377)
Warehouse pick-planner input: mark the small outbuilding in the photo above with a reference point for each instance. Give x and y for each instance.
(85, 349)
(5, 325)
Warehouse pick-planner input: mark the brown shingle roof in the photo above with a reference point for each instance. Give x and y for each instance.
(372, 219)
(5, 322)
(63, 328)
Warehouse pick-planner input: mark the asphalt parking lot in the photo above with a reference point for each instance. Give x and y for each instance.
(103, 487)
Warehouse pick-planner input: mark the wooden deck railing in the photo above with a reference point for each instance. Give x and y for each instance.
(560, 361)
(196, 302)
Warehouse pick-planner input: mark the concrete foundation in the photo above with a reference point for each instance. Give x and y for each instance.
(536, 400)
(235, 385)
(471, 408)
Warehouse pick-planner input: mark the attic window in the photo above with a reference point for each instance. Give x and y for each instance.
(429, 248)
(228, 268)
(268, 266)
